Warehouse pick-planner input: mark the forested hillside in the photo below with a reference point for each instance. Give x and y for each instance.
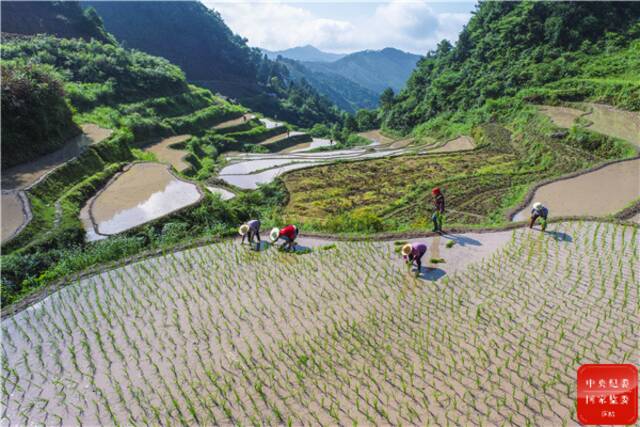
(59, 18)
(540, 50)
(212, 56)
(346, 94)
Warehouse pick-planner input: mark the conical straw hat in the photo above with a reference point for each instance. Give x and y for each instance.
(406, 249)
(274, 234)
(244, 229)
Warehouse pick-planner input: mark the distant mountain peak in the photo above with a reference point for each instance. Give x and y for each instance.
(304, 53)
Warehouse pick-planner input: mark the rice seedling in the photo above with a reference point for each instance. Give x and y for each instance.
(216, 335)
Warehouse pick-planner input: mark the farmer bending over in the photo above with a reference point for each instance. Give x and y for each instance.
(539, 211)
(250, 230)
(414, 253)
(288, 234)
(438, 203)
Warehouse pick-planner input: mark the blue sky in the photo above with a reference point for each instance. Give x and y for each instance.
(413, 26)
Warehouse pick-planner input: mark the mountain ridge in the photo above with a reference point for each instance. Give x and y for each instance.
(304, 53)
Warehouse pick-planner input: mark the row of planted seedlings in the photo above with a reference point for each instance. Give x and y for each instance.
(224, 335)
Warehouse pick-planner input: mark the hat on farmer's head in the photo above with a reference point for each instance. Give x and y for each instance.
(406, 249)
(244, 229)
(274, 234)
(435, 190)
(537, 205)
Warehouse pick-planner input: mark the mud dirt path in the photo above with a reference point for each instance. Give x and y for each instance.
(601, 192)
(166, 154)
(143, 192)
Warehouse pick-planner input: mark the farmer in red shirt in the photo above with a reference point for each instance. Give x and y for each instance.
(438, 203)
(288, 234)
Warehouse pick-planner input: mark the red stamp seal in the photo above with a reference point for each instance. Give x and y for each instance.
(607, 394)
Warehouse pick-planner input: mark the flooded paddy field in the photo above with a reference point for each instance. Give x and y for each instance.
(224, 193)
(601, 192)
(13, 214)
(14, 203)
(344, 334)
(603, 119)
(165, 153)
(235, 122)
(563, 117)
(614, 122)
(26, 174)
(461, 143)
(143, 192)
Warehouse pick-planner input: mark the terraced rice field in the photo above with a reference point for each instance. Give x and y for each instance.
(601, 118)
(563, 117)
(16, 180)
(614, 122)
(143, 192)
(24, 175)
(461, 143)
(174, 156)
(601, 192)
(224, 335)
(12, 213)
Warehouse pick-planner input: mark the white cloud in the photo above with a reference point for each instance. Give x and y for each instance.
(409, 25)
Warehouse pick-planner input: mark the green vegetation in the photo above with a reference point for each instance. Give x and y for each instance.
(524, 48)
(32, 95)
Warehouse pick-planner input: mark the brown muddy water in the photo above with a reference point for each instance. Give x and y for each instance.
(144, 192)
(601, 192)
(165, 153)
(26, 174)
(461, 143)
(613, 122)
(12, 215)
(563, 117)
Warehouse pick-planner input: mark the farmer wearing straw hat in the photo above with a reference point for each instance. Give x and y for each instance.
(413, 253)
(250, 230)
(539, 211)
(288, 234)
(438, 203)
